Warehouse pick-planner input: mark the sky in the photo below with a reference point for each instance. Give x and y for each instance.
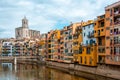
(46, 15)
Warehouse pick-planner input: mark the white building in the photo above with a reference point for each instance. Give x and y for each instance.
(25, 32)
(7, 48)
(88, 34)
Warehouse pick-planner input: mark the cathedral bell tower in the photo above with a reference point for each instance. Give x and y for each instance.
(24, 22)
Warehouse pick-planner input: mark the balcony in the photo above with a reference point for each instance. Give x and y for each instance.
(116, 42)
(116, 31)
(116, 20)
(91, 35)
(101, 49)
(75, 40)
(75, 47)
(111, 43)
(101, 17)
(79, 28)
(75, 37)
(113, 59)
(116, 11)
(101, 59)
(76, 51)
(101, 24)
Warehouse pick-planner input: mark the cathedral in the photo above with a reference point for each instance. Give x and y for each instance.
(25, 33)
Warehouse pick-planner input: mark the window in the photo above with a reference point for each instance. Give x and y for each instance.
(58, 50)
(89, 33)
(115, 49)
(116, 31)
(84, 34)
(66, 50)
(107, 37)
(70, 37)
(95, 31)
(107, 10)
(80, 59)
(83, 49)
(110, 12)
(102, 24)
(102, 30)
(88, 26)
(18, 33)
(87, 42)
(76, 52)
(80, 50)
(91, 49)
(88, 50)
(116, 40)
(111, 41)
(84, 28)
(119, 40)
(98, 32)
(49, 45)
(111, 50)
(85, 60)
(66, 32)
(90, 60)
(110, 31)
(111, 22)
(65, 38)
(107, 19)
(65, 44)
(107, 47)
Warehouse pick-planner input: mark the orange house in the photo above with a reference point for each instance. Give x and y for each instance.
(99, 34)
(112, 23)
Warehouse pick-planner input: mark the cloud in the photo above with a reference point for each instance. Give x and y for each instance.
(44, 15)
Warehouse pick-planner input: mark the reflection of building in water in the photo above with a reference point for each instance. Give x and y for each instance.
(53, 74)
(7, 66)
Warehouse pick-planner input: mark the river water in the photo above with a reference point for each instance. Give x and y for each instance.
(9, 71)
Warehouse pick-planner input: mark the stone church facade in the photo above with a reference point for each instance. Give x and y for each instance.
(25, 33)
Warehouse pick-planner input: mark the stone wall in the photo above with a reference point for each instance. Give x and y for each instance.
(107, 71)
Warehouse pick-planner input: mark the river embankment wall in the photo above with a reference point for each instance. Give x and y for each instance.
(107, 71)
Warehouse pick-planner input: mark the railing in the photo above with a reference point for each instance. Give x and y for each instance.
(18, 57)
(117, 21)
(90, 35)
(115, 58)
(116, 12)
(117, 42)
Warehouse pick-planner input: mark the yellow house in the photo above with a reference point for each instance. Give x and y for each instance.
(88, 56)
(85, 49)
(99, 33)
(48, 43)
(61, 55)
(68, 42)
(54, 45)
(77, 39)
(42, 45)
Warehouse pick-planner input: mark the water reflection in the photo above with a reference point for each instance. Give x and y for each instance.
(32, 72)
(9, 71)
(7, 66)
